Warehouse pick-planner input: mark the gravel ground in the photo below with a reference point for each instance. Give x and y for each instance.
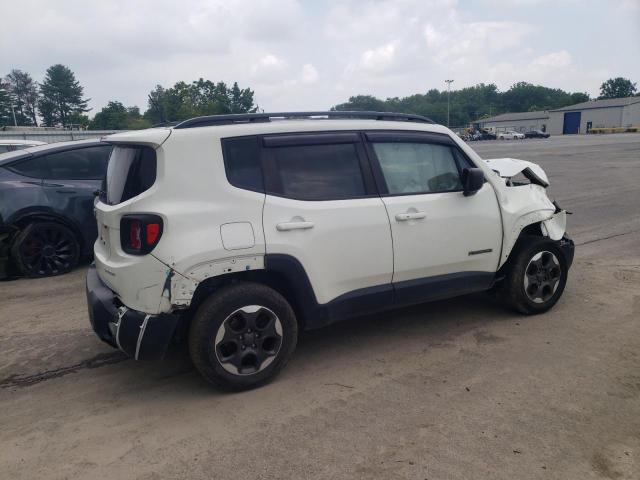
(456, 389)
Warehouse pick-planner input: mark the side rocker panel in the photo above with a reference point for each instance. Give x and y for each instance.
(287, 275)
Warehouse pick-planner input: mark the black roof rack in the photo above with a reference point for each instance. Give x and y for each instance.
(165, 124)
(267, 117)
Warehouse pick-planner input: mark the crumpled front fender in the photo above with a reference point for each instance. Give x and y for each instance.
(524, 204)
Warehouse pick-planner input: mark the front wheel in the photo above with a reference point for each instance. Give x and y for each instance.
(537, 277)
(242, 336)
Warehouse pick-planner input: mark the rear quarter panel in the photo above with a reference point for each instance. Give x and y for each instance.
(19, 195)
(197, 200)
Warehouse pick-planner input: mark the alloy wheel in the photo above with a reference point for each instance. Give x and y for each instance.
(248, 340)
(48, 250)
(542, 276)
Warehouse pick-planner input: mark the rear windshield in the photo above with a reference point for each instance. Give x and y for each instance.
(131, 171)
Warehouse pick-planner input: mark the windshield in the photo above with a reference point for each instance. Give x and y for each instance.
(131, 171)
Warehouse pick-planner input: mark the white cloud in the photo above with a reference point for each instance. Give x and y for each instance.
(633, 5)
(309, 74)
(120, 50)
(379, 59)
(553, 60)
(268, 63)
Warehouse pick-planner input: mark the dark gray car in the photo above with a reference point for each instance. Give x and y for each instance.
(46, 205)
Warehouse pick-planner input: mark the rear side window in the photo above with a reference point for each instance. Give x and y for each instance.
(317, 172)
(242, 163)
(82, 164)
(37, 167)
(413, 168)
(131, 171)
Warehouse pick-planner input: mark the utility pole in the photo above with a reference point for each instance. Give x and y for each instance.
(448, 82)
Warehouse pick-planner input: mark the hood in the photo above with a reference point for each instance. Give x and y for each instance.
(510, 167)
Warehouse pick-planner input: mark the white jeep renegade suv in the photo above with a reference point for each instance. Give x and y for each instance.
(237, 231)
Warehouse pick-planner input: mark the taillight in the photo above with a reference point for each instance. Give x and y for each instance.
(135, 240)
(139, 234)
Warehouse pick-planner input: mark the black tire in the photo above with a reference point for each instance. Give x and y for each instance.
(45, 249)
(225, 307)
(541, 284)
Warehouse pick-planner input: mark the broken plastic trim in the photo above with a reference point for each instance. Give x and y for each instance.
(533, 178)
(509, 168)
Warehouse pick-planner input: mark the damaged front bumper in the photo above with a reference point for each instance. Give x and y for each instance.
(568, 249)
(139, 335)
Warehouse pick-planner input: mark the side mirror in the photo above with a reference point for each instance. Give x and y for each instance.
(472, 180)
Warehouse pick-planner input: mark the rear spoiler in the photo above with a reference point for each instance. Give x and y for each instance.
(151, 137)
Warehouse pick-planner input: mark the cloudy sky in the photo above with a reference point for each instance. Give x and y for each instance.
(312, 54)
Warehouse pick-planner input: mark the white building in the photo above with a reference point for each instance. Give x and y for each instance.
(580, 118)
(520, 122)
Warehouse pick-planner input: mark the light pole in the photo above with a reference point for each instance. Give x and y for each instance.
(448, 82)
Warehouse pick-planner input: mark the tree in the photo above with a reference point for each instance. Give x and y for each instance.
(6, 118)
(61, 97)
(471, 103)
(617, 88)
(200, 97)
(25, 95)
(115, 116)
(579, 97)
(362, 103)
(78, 120)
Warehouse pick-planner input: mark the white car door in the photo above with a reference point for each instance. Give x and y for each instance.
(322, 209)
(441, 238)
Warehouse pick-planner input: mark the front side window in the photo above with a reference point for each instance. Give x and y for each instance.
(317, 172)
(412, 168)
(81, 164)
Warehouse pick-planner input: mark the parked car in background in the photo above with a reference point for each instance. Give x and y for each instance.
(11, 145)
(484, 135)
(510, 135)
(536, 134)
(234, 232)
(46, 204)
(470, 135)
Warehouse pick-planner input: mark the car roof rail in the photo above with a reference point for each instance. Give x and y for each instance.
(268, 117)
(165, 124)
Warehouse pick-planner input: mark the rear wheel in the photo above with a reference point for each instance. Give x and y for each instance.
(44, 249)
(537, 277)
(242, 336)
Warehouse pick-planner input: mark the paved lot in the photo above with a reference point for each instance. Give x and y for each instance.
(456, 389)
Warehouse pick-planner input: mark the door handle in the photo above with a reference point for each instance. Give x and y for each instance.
(403, 217)
(286, 226)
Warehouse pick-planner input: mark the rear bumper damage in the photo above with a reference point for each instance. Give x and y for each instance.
(139, 335)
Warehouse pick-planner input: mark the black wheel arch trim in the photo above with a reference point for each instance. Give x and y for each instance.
(565, 244)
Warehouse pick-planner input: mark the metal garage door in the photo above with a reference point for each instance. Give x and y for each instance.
(571, 123)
